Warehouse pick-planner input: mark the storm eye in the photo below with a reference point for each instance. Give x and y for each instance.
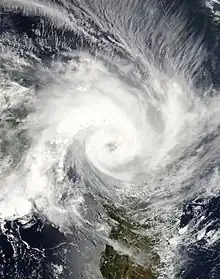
(111, 146)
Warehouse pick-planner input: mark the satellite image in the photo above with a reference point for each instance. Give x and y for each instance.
(109, 139)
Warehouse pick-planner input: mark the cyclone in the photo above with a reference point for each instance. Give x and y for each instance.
(111, 100)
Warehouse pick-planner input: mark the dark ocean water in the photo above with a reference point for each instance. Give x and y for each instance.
(203, 262)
